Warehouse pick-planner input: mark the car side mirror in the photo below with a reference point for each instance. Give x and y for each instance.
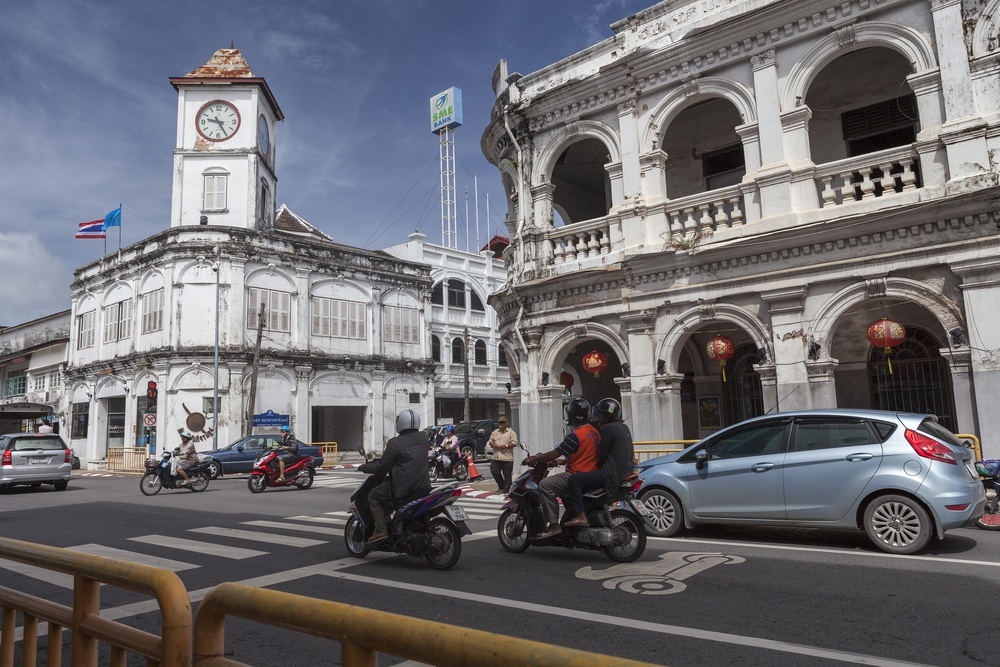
(701, 459)
(239, 448)
(481, 431)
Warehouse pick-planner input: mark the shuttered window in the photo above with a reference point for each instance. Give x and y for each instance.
(337, 318)
(277, 309)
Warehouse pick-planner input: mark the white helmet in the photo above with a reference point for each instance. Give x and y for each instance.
(407, 420)
(186, 434)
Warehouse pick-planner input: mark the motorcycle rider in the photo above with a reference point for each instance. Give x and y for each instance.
(450, 445)
(187, 457)
(616, 455)
(580, 447)
(405, 459)
(290, 454)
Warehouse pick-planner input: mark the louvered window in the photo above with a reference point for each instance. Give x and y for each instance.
(880, 126)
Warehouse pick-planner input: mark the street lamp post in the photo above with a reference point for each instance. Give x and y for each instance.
(215, 396)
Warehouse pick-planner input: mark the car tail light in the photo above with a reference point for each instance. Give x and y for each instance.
(69, 456)
(929, 448)
(7, 459)
(957, 508)
(636, 484)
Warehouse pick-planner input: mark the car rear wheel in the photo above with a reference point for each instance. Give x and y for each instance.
(897, 524)
(60, 485)
(214, 469)
(468, 451)
(668, 518)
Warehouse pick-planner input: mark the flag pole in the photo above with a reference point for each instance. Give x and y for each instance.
(119, 227)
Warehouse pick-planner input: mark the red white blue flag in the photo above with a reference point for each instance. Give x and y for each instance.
(91, 230)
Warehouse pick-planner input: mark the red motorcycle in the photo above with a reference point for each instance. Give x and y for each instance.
(266, 472)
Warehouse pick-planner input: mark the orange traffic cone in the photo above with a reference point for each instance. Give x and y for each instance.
(473, 473)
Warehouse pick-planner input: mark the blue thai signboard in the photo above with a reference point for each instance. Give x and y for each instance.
(271, 418)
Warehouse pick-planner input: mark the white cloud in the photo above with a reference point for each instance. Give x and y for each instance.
(36, 282)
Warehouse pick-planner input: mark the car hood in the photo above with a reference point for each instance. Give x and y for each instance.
(666, 458)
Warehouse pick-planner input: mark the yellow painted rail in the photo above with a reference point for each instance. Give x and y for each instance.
(329, 451)
(650, 449)
(172, 648)
(127, 459)
(976, 446)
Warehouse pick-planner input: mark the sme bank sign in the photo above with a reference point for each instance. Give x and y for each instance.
(446, 110)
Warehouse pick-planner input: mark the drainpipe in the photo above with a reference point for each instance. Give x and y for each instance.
(520, 219)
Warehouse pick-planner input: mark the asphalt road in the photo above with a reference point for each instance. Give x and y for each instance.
(714, 596)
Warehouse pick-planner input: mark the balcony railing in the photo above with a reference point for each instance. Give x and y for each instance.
(579, 241)
(717, 209)
(868, 176)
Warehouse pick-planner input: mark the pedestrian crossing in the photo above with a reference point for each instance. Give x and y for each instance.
(213, 541)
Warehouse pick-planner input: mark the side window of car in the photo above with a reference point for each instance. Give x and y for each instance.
(754, 441)
(812, 435)
(252, 443)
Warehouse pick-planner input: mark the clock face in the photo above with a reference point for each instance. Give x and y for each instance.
(218, 120)
(263, 136)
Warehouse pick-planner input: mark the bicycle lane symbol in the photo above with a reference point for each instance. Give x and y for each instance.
(660, 577)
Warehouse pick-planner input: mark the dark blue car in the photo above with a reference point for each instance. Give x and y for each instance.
(239, 456)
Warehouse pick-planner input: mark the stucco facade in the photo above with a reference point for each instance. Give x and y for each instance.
(783, 173)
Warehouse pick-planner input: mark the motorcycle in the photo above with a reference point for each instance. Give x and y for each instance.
(989, 470)
(161, 474)
(431, 527)
(266, 472)
(439, 465)
(617, 523)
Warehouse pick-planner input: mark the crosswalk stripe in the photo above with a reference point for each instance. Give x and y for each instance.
(270, 538)
(234, 553)
(316, 519)
(134, 557)
(290, 526)
(48, 576)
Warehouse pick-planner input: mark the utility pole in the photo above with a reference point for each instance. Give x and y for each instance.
(465, 362)
(251, 402)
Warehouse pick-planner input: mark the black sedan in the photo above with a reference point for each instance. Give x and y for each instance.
(239, 456)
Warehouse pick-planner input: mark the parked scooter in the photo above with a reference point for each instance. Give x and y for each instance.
(989, 470)
(266, 472)
(440, 466)
(161, 473)
(618, 531)
(430, 527)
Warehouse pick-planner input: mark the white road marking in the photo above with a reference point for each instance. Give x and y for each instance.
(234, 553)
(256, 536)
(134, 557)
(317, 519)
(291, 526)
(40, 573)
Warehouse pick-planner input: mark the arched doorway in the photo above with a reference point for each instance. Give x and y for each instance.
(742, 394)
(918, 379)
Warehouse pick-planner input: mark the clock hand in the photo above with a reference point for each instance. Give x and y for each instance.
(221, 125)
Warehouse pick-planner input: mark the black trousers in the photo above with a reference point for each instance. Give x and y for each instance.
(578, 484)
(502, 472)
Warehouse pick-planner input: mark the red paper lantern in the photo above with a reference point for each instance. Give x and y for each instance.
(886, 334)
(566, 380)
(595, 362)
(721, 348)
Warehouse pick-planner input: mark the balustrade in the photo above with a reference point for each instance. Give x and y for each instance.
(866, 177)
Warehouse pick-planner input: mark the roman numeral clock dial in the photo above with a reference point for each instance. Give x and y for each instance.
(218, 121)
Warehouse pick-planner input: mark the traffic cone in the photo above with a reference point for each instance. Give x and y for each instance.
(473, 473)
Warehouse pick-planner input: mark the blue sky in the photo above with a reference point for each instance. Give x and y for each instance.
(89, 115)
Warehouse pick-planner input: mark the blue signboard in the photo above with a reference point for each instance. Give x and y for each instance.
(271, 418)
(446, 110)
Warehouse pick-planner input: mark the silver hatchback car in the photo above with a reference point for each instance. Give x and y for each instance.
(902, 478)
(34, 459)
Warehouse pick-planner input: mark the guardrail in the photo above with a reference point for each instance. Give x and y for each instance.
(649, 449)
(329, 451)
(976, 445)
(364, 633)
(127, 459)
(172, 648)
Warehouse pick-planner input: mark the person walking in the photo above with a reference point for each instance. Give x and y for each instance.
(503, 440)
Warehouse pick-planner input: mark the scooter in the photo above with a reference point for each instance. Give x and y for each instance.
(616, 523)
(266, 472)
(430, 527)
(439, 465)
(989, 470)
(160, 474)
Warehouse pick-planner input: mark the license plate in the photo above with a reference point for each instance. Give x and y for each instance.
(38, 459)
(640, 507)
(456, 513)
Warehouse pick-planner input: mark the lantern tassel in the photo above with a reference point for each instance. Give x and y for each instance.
(723, 364)
(888, 358)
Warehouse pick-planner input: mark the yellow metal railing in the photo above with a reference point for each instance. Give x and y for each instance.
(172, 648)
(976, 445)
(127, 459)
(329, 451)
(650, 449)
(364, 633)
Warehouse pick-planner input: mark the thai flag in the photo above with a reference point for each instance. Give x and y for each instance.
(91, 230)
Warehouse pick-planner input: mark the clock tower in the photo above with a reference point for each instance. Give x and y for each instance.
(224, 154)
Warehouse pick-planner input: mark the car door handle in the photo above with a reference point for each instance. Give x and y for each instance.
(761, 467)
(860, 457)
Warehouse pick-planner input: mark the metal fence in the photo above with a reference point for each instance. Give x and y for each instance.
(127, 459)
(329, 451)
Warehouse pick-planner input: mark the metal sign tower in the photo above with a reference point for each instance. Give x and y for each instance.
(446, 115)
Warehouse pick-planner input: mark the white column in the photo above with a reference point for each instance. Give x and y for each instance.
(791, 378)
(773, 178)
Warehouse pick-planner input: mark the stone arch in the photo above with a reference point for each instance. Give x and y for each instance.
(120, 291)
(344, 378)
(560, 343)
(680, 98)
(945, 311)
(400, 292)
(907, 41)
(669, 348)
(152, 279)
(195, 368)
(986, 29)
(270, 271)
(550, 150)
(352, 288)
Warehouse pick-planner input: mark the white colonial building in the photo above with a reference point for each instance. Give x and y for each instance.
(341, 331)
(465, 339)
(33, 359)
(778, 173)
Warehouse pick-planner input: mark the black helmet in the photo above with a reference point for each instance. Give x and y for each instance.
(577, 412)
(607, 410)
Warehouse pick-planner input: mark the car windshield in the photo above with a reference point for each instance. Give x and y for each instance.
(465, 427)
